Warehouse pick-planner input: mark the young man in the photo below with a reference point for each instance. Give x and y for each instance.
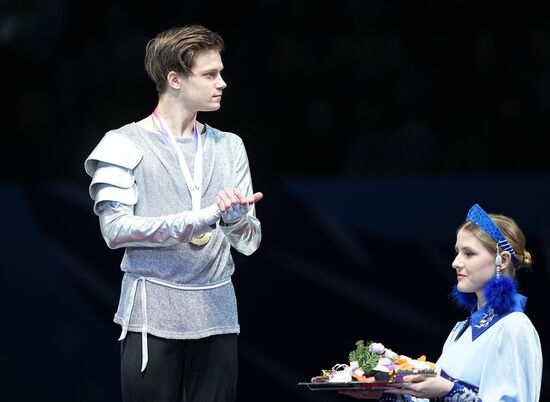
(177, 195)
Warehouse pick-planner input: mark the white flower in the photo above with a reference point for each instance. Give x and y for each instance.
(390, 354)
(377, 348)
(385, 361)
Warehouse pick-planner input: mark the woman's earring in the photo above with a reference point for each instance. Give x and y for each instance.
(498, 263)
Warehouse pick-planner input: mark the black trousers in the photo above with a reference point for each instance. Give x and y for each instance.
(190, 370)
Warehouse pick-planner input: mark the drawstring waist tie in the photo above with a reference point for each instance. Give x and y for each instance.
(128, 311)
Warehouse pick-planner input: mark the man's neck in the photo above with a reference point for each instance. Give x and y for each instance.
(177, 118)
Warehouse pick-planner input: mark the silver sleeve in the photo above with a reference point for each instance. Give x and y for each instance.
(121, 228)
(111, 166)
(244, 235)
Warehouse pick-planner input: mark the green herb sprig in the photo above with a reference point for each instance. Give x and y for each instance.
(366, 359)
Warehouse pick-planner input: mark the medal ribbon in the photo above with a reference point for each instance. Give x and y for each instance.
(193, 184)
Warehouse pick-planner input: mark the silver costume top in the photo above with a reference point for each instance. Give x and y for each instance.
(171, 288)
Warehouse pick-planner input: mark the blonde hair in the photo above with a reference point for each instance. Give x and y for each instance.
(175, 50)
(513, 234)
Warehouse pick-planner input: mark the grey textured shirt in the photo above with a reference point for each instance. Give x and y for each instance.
(144, 205)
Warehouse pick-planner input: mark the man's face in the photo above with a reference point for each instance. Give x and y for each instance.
(202, 88)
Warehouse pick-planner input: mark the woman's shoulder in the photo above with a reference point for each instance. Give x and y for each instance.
(517, 317)
(517, 323)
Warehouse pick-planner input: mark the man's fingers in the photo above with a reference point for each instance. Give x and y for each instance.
(231, 197)
(221, 204)
(254, 198)
(228, 198)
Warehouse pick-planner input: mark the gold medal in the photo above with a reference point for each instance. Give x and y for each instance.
(202, 239)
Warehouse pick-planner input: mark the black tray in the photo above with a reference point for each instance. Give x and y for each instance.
(338, 386)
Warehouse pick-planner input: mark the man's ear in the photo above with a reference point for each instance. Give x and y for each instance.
(173, 80)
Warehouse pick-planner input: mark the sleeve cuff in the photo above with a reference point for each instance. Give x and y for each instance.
(461, 393)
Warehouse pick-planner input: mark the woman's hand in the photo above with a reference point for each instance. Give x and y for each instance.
(422, 386)
(363, 394)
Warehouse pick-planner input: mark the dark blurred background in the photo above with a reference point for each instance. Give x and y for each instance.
(371, 128)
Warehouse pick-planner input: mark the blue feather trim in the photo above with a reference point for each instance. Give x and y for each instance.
(500, 294)
(466, 301)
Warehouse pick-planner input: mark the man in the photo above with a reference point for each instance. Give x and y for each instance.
(177, 195)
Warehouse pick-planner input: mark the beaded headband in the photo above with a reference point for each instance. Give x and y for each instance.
(477, 215)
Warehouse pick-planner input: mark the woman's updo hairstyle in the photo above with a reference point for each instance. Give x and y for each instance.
(513, 234)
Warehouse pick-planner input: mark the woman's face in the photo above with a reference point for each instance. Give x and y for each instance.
(474, 264)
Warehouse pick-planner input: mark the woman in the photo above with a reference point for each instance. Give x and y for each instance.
(494, 355)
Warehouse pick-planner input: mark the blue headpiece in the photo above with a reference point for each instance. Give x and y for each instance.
(477, 215)
(501, 291)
